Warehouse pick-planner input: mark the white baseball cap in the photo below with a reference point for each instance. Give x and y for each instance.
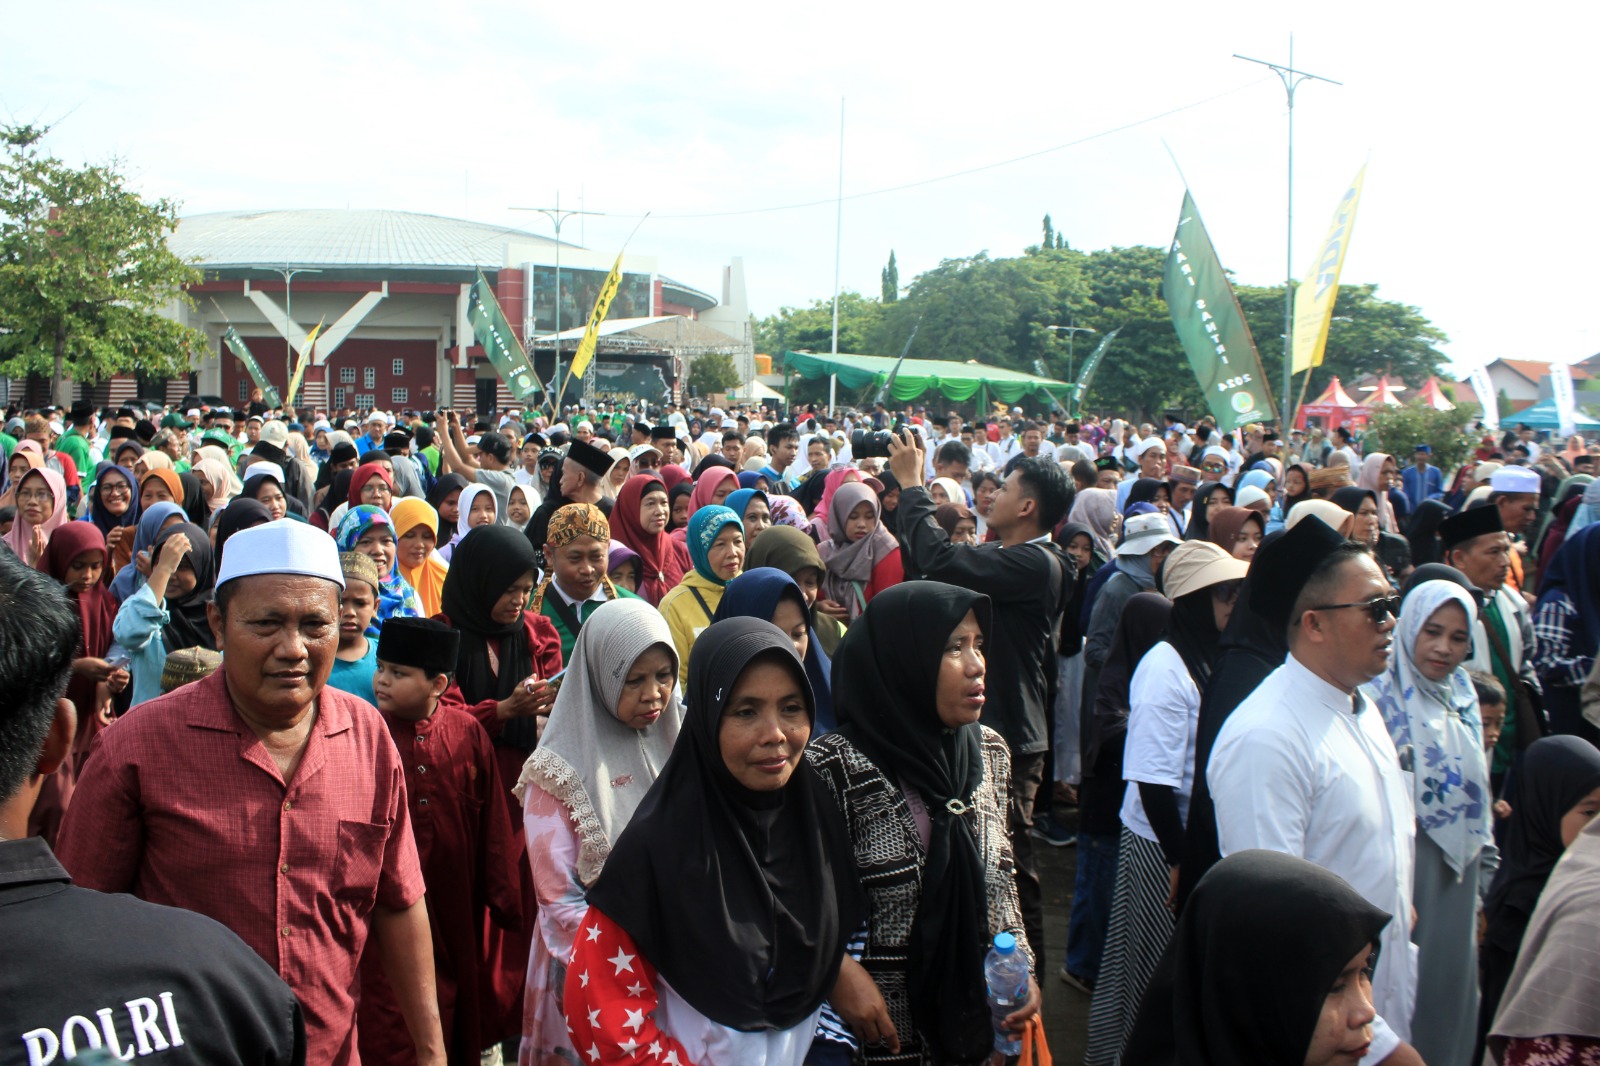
(1143, 532)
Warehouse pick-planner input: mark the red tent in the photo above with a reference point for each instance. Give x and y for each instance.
(1384, 394)
(1432, 396)
(1334, 408)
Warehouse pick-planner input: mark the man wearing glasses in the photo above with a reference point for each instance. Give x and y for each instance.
(1305, 765)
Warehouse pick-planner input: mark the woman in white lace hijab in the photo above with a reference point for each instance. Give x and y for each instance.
(612, 727)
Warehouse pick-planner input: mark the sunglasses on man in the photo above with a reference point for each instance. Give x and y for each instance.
(1379, 610)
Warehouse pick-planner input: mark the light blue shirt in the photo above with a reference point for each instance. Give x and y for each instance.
(137, 628)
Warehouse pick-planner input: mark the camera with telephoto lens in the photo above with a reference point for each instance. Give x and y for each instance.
(870, 443)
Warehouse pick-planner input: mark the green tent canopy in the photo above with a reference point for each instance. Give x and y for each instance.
(1542, 415)
(957, 381)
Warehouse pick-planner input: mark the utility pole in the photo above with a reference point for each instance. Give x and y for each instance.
(1291, 80)
(556, 216)
(1071, 332)
(288, 313)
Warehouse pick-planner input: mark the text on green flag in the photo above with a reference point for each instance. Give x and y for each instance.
(493, 332)
(1211, 327)
(1087, 374)
(236, 345)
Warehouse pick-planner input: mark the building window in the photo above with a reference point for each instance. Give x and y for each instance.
(399, 395)
(369, 377)
(244, 390)
(398, 368)
(347, 375)
(338, 396)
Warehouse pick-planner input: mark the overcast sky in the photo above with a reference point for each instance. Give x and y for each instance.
(1479, 124)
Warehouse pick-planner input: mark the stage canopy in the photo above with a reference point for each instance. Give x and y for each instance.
(956, 381)
(1542, 415)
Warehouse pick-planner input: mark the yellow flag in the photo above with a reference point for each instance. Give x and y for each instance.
(300, 365)
(591, 332)
(1313, 298)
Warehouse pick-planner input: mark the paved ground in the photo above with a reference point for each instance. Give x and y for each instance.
(1066, 1010)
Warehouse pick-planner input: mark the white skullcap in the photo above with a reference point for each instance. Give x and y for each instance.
(1515, 479)
(282, 547)
(1138, 450)
(255, 470)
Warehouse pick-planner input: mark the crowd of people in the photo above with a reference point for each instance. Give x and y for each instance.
(655, 734)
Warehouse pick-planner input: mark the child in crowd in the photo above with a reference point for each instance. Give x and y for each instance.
(1492, 711)
(471, 859)
(356, 660)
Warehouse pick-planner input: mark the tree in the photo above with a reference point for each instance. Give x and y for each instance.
(85, 271)
(712, 372)
(1049, 234)
(891, 280)
(1398, 431)
(811, 328)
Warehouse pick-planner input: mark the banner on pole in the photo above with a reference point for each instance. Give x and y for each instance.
(1314, 296)
(1211, 326)
(1479, 379)
(236, 345)
(1087, 373)
(1566, 402)
(493, 332)
(304, 360)
(591, 332)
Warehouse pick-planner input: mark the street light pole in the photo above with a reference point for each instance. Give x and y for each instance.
(289, 326)
(1291, 79)
(1071, 332)
(556, 216)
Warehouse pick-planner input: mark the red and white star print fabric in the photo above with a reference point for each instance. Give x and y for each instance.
(610, 1000)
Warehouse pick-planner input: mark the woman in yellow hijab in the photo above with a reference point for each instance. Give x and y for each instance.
(416, 523)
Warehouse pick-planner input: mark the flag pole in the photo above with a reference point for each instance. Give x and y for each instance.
(838, 236)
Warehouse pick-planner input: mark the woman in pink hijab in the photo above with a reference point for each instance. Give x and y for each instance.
(713, 486)
(41, 502)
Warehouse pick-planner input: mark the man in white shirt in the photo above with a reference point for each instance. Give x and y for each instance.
(1002, 450)
(1305, 765)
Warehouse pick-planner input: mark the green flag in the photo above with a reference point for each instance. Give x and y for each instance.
(491, 329)
(236, 345)
(1087, 374)
(1212, 328)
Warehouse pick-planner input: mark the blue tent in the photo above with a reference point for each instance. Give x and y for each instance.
(1542, 415)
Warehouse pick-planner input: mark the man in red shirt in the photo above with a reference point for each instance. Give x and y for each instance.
(269, 802)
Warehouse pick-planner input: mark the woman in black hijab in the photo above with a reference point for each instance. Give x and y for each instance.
(1557, 777)
(506, 650)
(1199, 527)
(338, 493)
(194, 500)
(241, 513)
(923, 787)
(1147, 490)
(728, 899)
(1268, 967)
(187, 626)
(1422, 532)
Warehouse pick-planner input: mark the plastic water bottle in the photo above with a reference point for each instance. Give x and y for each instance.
(1005, 972)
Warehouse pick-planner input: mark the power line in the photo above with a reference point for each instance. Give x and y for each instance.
(973, 170)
